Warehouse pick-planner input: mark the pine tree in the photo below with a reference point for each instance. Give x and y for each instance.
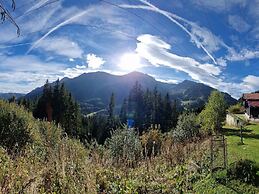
(66, 111)
(111, 107)
(44, 107)
(123, 112)
(148, 108)
(167, 114)
(136, 105)
(174, 114)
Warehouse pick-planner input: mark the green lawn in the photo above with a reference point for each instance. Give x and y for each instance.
(250, 149)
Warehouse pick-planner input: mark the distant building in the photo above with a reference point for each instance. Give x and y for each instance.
(251, 104)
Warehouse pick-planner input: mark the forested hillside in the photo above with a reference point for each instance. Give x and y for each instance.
(93, 90)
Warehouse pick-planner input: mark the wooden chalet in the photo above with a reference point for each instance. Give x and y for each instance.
(251, 104)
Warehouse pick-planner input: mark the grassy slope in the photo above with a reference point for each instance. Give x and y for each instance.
(235, 152)
(251, 143)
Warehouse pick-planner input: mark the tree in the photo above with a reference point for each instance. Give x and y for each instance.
(5, 14)
(187, 127)
(58, 105)
(43, 108)
(136, 105)
(167, 113)
(111, 107)
(123, 112)
(212, 117)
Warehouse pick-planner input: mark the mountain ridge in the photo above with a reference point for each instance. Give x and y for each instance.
(94, 89)
(9, 95)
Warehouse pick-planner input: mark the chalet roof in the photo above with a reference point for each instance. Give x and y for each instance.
(253, 103)
(251, 96)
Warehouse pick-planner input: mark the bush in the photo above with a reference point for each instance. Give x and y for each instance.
(186, 128)
(17, 127)
(220, 176)
(235, 109)
(243, 170)
(151, 142)
(124, 145)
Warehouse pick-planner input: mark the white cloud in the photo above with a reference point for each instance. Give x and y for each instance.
(251, 82)
(238, 23)
(61, 46)
(98, 16)
(157, 53)
(169, 81)
(243, 55)
(23, 73)
(219, 5)
(221, 61)
(200, 36)
(94, 62)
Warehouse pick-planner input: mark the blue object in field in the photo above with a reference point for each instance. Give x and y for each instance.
(130, 123)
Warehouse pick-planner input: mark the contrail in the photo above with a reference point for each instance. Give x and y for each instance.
(15, 45)
(56, 28)
(174, 19)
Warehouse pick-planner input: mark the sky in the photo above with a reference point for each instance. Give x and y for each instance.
(211, 42)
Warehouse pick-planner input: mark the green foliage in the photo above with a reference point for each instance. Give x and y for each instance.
(58, 105)
(98, 127)
(221, 176)
(124, 145)
(150, 107)
(243, 170)
(214, 114)
(152, 141)
(123, 112)
(235, 109)
(17, 127)
(111, 107)
(187, 127)
(210, 185)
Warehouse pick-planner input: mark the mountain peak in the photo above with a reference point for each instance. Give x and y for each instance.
(137, 74)
(93, 90)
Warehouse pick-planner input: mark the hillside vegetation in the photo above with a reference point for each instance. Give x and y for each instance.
(38, 157)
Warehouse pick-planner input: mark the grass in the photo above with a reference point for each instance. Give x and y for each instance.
(249, 150)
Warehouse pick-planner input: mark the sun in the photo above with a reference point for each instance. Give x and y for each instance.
(129, 62)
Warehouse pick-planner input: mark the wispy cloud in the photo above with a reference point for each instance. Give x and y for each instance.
(243, 55)
(219, 5)
(252, 82)
(238, 23)
(157, 52)
(23, 73)
(61, 46)
(200, 36)
(96, 16)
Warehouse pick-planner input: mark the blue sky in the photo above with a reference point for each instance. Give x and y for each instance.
(212, 42)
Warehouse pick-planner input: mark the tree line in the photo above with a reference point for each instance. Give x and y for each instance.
(145, 107)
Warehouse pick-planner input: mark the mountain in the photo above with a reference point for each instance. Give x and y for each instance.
(93, 90)
(7, 96)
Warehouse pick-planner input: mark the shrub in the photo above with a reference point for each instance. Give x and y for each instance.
(186, 128)
(151, 142)
(243, 170)
(17, 127)
(235, 109)
(124, 145)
